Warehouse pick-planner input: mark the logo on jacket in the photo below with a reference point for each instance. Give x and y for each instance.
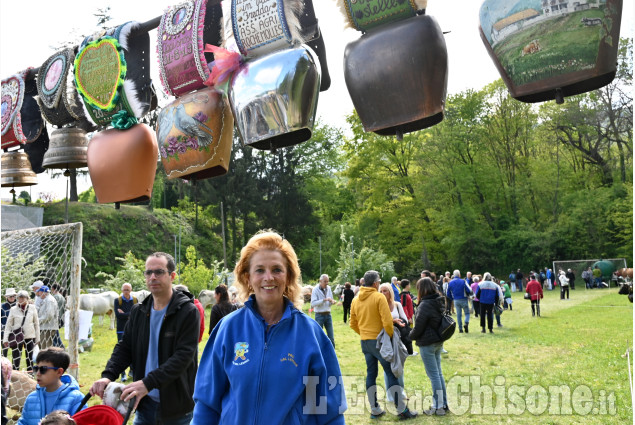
(289, 358)
(240, 349)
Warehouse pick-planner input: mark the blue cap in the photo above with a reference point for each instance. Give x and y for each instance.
(43, 288)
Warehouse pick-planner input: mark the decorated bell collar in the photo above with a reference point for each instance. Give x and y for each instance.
(274, 98)
(258, 27)
(364, 15)
(59, 101)
(183, 33)
(112, 74)
(21, 118)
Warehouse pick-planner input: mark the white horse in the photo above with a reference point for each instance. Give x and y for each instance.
(100, 304)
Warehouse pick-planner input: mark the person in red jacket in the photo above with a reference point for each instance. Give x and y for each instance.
(406, 299)
(534, 289)
(199, 306)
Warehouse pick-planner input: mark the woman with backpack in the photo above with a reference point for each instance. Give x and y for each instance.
(426, 334)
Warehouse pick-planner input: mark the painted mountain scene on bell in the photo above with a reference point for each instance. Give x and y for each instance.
(540, 39)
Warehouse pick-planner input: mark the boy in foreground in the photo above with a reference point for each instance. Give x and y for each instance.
(54, 390)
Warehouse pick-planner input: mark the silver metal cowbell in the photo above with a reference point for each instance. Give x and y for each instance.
(274, 98)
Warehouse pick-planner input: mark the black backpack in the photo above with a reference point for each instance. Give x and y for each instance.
(447, 327)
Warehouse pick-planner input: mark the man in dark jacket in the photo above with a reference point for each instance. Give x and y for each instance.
(571, 276)
(123, 306)
(160, 343)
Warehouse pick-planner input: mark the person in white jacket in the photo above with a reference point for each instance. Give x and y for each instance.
(399, 319)
(22, 315)
(564, 284)
(48, 313)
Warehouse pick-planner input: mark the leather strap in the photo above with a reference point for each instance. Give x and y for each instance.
(365, 15)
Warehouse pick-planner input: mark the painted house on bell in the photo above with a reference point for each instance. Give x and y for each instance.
(560, 7)
(555, 7)
(513, 23)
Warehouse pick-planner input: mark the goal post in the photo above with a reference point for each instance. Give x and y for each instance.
(52, 254)
(578, 266)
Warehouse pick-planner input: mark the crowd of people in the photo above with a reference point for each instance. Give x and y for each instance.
(31, 325)
(255, 346)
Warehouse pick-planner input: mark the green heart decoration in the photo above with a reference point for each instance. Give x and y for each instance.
(100, 70)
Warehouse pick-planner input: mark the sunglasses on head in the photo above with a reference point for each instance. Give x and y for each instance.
(157, 272)
(43, 369)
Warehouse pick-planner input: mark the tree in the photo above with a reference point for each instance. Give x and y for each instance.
(19, 270)
(24, 195)
(195, 274)
(352, 264)
(131, 272)
(598, 126)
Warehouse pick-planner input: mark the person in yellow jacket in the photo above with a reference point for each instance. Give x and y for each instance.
(369, 315)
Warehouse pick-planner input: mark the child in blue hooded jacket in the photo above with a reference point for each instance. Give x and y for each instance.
(54, 390)
(268, 363)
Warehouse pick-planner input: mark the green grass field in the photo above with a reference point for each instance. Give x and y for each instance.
(577, 345)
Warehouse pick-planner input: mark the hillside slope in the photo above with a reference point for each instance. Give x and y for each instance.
(110, 233)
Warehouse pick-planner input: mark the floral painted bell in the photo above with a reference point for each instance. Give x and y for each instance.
(122, 164)
(551, 49)
(396, 73)
(195, 135)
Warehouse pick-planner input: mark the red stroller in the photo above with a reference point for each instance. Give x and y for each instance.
(101, 414)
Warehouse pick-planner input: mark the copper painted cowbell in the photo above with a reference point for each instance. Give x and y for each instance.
(122, 164)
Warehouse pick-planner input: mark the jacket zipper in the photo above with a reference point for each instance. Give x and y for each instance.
(262, 361)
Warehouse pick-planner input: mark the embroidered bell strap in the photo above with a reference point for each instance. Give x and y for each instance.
(180, 46)
(364, 15)
(12, 98)
(59, 101)
(262, 26)
(100, 71)
(21, 118)
(104, 63)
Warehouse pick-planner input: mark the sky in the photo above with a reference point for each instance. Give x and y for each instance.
(30, 40)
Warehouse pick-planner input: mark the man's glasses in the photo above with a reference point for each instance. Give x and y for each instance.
(157, 272)
(43, 369)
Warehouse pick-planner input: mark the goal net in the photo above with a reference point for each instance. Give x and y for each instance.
(51, 255)
(579, 266)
